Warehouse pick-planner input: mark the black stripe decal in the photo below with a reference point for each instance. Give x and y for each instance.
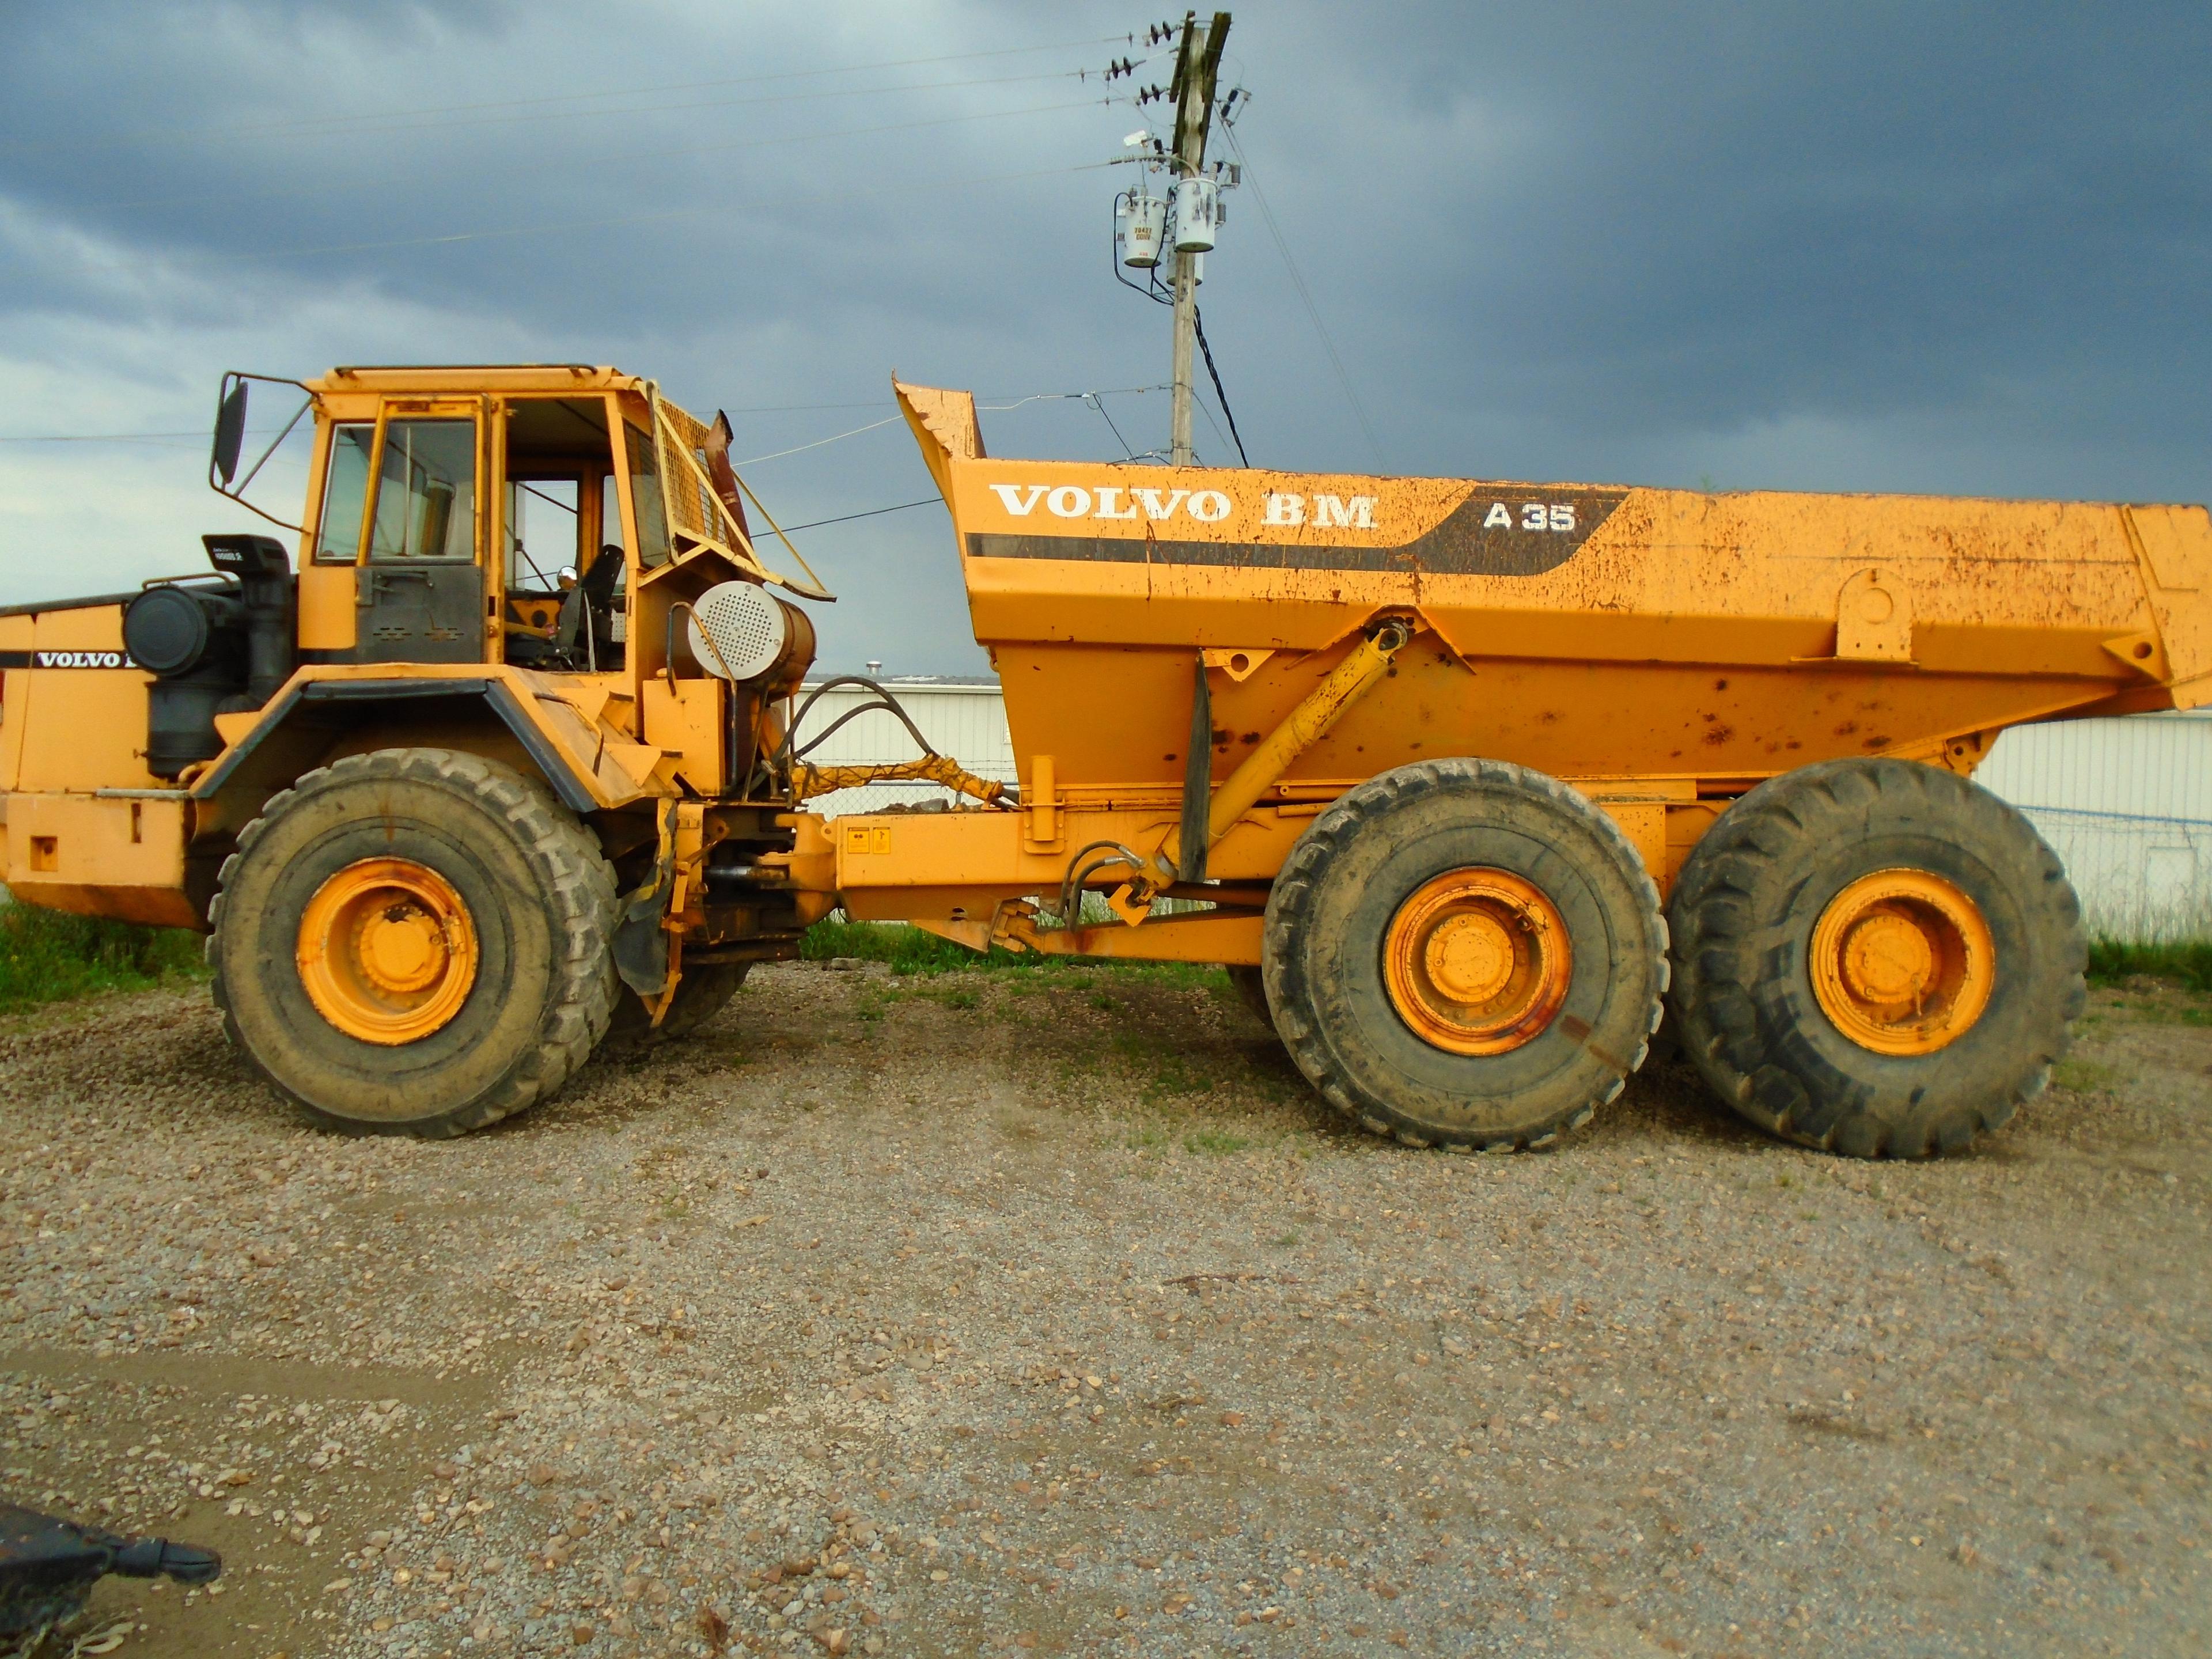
(1524, 533)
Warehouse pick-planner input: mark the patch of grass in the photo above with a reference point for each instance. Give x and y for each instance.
(873, 1003)
(2186, 962)
(1163, 1071)
(911, 949)
(2082, 1076)
(47, 955)
(2171, 1011)
(1219, 1142)
(1176, 975)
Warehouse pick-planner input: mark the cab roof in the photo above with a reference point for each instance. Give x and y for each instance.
(465, 377)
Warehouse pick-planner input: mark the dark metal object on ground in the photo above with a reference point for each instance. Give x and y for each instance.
(48, 1566)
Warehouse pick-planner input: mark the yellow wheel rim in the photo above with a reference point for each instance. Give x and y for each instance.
(1902, 963)
(386, 950)
(1476, 961)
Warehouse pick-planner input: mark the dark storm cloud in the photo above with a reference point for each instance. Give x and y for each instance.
(1751, 212)
(1821, 245)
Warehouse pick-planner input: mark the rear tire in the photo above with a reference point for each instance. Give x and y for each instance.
(701, 994)
(1351, 894)
(1747, 912)
(306, 996)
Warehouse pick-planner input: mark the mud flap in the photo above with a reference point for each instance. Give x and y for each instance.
(640, 943)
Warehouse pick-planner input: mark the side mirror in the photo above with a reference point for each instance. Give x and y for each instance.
(229, 432)
(230, 441)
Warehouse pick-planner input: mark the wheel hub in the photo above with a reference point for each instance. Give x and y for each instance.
(1476, 961)
(1902, 961)
(403, 949)
(1469, 957)
(387, 950)
(1886, 959)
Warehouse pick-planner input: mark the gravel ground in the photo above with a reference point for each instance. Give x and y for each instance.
(1046, 1312)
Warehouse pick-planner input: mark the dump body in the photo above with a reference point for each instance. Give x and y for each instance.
(1665, 650)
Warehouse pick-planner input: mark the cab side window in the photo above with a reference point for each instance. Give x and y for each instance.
(345, 493)
(426, 497)
(645, 494)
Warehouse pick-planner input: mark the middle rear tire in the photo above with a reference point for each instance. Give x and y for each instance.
(701, 994)
(1467, 954)
(1246, 980)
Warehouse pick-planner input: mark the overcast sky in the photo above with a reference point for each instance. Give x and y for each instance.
(1863, 246)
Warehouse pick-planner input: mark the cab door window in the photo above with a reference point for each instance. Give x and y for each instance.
(426, 497)
(345, 493)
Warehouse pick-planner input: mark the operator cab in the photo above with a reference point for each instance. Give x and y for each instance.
(403, 504)
(536, 516)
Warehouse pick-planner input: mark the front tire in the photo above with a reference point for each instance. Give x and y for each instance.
(1875, 957)
(1466, 954)
(414, 941)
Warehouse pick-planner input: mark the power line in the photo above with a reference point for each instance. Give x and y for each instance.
(349, 125)
(872, 512)
(213, 256)
(1049, 397)
(1198, 322)
(1206, 410)
(97, 437)
(716, 103)
(626, 160)
(833, 438)
(1110, 427)
(1091, 397)
(1299, 281)
(757, 408)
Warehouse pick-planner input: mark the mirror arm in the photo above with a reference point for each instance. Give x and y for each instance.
(254, 471)
(236, 493)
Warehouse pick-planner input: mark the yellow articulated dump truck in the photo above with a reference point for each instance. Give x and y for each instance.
(1465, 783)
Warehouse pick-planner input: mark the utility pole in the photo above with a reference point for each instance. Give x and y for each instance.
(1197, 61)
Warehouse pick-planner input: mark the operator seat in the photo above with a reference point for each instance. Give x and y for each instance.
(587, 609)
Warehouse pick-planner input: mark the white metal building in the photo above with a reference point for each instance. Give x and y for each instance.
(2127, 803)
(965, 719)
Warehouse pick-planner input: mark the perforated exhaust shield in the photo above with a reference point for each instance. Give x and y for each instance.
(738, 631)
